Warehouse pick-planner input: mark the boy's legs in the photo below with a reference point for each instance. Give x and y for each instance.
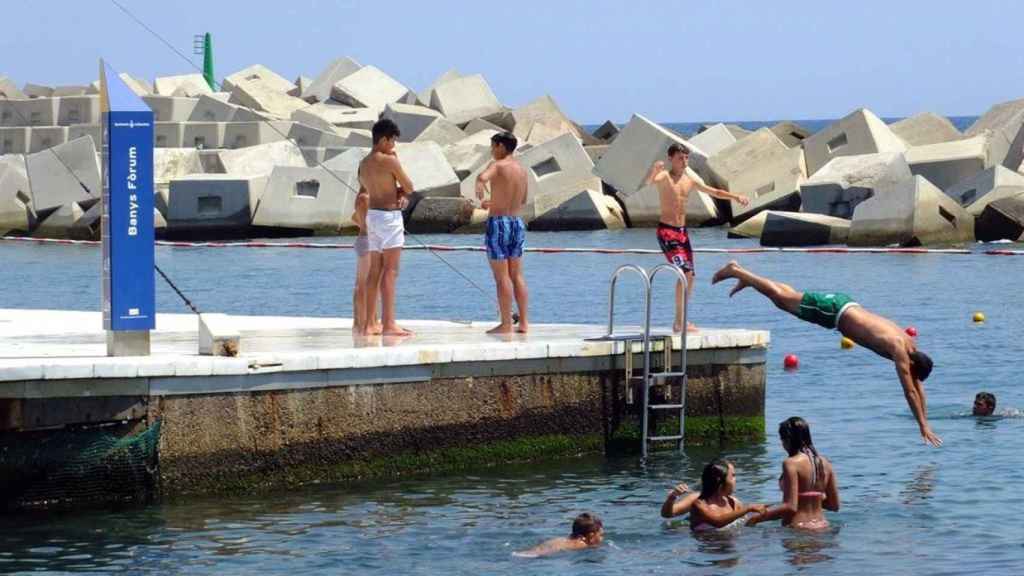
(360, 318)
(372, 288)
(388, 282)
(504, 285)
(515, 271)
(677, 326)
(782, 295)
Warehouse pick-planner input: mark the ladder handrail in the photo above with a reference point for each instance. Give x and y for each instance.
(682, 341)
(611, 290)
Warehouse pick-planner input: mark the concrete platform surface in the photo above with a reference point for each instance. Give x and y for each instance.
(57, 344)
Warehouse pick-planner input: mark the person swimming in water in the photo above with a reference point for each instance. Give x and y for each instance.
(808, 482)
(587, 532)
(835, 310)
(716, 508)
(984, 404)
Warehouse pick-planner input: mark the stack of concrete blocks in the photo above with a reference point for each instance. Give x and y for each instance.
(542, 120)
(994, 185)
(260, 160)
(924, 129)
(17, 215)
(627, 163)
(258, 73)
(802, 229)
(1003, 126)
(948, 163)
(411, 119)
(170, 164)
(319, 89)
(790, 133)
(442, 132)
(846, 181)
(762, 168)
(239, 135)
(464, 99)
(910, 213)
(208, 108)
(64, 174)
(262, 95)
(15, 139)
(316, 200)
(714, 139)
(861, 132)
(606, 132)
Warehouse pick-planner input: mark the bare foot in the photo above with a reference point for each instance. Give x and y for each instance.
(691, 327)
(729, 271)
(501, 329)
(373, 330)
(523, 328)
(396, 330)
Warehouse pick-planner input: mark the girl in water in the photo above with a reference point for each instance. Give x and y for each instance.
(808, 482)
(716, 508)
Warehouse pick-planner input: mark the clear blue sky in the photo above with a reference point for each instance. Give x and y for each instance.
(670, 60)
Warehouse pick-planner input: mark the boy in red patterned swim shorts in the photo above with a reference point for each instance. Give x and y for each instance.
(674, 187)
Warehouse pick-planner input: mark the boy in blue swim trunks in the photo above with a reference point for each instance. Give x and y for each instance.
(838, 311)
(506, 233)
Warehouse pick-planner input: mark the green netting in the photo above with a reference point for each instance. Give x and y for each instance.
(65, 467)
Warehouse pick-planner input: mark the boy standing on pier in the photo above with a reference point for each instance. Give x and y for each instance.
(388, 189)
(506, 233)
(674, 187)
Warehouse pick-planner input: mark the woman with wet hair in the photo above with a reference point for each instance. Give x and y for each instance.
(716, 508)
(808, 482)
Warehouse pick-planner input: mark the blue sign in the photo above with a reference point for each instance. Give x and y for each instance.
(129, 301)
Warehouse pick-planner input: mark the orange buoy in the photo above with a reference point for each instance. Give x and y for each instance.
(979, 317)
(846, 343)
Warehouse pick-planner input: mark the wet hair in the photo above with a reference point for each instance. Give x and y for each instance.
(986, 397)
(506, 139)
(920, 365)
(677, 149)
(713, 477)
(385, 128)
(586, 524)
(795, 434)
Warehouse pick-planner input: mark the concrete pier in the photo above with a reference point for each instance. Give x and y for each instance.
(304, 401)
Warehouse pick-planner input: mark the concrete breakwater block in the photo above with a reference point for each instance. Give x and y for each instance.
(606, 132)
(213, 202)
(308, 199)
(464, 99)
(910, 213)
(369, 87)
(948, 163)
(763, 169)
(439, 215)
(15, 139)
(714, 139)
(64, 174)
(137, 85)
(203, 135)
(43, 137)
(16, 212)
(94, 131)
(258, 72)
(427, 167)
(59, 223)
(307, 136)
(546, 112)
(924, 129)
(218, 335)
(172, 163)
(424, 95)
(211, 109)
(464, 158)
(846, 181)
(627, 162)
(31, 112)
(411, 119)
(1002, 219)
(987, 186)
(441, 132)
(802, 229)
(259, 95)
(169, 134)
(189, 85)
(587, 210)
(78, 110)
(331, 114)
(751, 227)
(790, 133)
(860, 132)
(9, 90)
(319, 90)
(239, 135)
(261, 160)
(171, 108)
(1003, 124)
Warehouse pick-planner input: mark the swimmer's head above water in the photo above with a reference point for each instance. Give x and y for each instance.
(588, 528)
(795, 434)
(718, 479)
(984, 404)
(920, 365)
(678, 156)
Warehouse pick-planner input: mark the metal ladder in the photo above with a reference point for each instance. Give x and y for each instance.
(649, 380)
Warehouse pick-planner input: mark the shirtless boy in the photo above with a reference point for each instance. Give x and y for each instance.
(506, 233)
(674, 187)
(388, 189)
(587, 532)
(835, 310)
(361, 319)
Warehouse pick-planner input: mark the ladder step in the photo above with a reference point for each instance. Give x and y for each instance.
(666, 406)
(668, 374)
(664, 438)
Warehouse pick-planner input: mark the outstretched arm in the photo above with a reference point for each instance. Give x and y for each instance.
(722, 518)
(723, 194)
(676, 506)
(913, 390)
(790, 495)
